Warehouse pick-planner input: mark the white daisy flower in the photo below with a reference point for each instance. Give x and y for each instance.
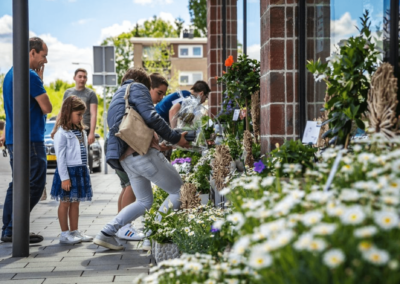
(237, 219)
(319, 196)
(366, 158)
(347, 169)
(186, 229)
(231, 281)
(365, 232)
(225, 191)
(349, 195)
(376, 256)
(357, 148)
(353, 216)
(316, 245)
(191, 233)
(218, 224)
(333, 258)
(323, 229)
(365, 246)
(241, 245)
(386, 219)
(311, 218)
(258, 260)
(191, 217)
(268, 181)
(273, 226)
(292, 168)
(303, 241)
(335, 210)
(193, 266)
(235, 259)
(366, 185)
(390, 200)
(393, 264)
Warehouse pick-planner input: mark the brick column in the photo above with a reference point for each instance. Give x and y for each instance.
(215, 62)
(279, 98)
(279, 66)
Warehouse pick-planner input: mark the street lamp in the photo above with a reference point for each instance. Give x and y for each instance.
(85, 63)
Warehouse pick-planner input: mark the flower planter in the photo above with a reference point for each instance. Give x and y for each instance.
(166, 251)
(204, 198)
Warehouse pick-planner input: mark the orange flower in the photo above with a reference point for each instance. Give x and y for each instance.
(229, 61)
(223, 72)
(216, 77)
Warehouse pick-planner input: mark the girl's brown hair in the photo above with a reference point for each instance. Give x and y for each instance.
(70, 105)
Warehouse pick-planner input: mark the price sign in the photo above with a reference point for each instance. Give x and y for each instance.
(236, 115)
(311, 133)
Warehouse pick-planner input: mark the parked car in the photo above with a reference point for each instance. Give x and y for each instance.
(95, 151)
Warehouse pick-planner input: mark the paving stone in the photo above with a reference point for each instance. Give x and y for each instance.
(6, 276)
(25, 281)
(47, 274)
(94, 279)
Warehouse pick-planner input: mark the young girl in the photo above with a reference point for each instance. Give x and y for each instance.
(71, 183)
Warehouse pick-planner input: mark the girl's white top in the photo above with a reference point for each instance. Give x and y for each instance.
(68, 151)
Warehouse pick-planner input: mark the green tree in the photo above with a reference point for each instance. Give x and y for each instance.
(55, 91)
(157, 59)
(198, 14)
(155, 27)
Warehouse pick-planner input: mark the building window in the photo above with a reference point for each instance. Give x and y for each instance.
(190, 51)
(189, 78)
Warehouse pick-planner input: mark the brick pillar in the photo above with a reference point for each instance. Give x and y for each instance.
(279, 107)
(279, 66)
(215, 62)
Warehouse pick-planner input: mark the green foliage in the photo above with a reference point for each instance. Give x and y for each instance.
(207, 129)
(234, 144)
(55, 91)
(198, 14)
(290, 152)
(156, 27)
(156, 59)
(347, 76)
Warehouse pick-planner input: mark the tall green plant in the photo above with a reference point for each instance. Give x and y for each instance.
(347, 76)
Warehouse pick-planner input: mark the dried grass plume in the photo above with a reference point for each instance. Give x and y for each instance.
(382, 101)
(189, 197)
(222, 160)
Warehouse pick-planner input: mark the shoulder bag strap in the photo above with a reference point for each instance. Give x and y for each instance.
(127, 92)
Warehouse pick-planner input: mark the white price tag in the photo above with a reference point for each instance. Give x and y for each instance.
(311, 133)
(210, 122)
(236, 115)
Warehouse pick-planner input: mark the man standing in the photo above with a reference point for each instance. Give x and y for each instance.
(90, 99)
(40, 106)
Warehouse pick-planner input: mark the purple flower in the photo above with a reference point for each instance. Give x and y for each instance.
(188, 160)
(259, 167)
(214, 230)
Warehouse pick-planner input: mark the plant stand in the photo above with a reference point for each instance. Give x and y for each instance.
(163, 252)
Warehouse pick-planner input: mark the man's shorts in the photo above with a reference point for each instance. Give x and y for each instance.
(123, 177)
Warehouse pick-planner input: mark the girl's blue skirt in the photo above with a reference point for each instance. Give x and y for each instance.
(81, 188)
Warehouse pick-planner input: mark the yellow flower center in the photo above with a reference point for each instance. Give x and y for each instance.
(334, 259)
(260, 261)
(353, 217)
(365, 245)
(375, 257)
(387, 220)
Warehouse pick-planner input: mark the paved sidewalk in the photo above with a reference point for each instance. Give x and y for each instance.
(51, 262)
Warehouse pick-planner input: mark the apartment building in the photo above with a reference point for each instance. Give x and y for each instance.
(189, 59)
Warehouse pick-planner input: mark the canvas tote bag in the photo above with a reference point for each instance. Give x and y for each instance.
(133, 130)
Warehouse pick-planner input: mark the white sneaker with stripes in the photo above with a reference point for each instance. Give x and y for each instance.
(129, 233)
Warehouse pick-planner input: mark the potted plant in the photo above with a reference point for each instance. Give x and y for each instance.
(347, 76)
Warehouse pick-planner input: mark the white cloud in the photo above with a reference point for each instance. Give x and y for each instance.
(116, 29)
(146, 2)
(82, 21)
(60, 56)
(127, 26)
(253, 51)
(343, 28)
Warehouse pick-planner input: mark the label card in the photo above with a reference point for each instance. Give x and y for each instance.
(236, 115)
(311, 132)
(210, 122)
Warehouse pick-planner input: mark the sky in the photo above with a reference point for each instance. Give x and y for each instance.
(71, 28)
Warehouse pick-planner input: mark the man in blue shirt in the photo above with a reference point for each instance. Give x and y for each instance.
(171, 104)
(40, 106)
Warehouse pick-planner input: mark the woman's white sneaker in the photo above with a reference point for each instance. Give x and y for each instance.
(68, 238)
(129, 233)
(82, 236)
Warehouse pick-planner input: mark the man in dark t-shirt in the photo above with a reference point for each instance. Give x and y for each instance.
(40, 106)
